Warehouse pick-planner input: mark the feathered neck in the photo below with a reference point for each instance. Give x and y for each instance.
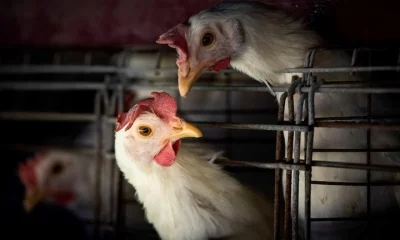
(273, 38)
(271, 47)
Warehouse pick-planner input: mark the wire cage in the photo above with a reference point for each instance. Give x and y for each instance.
(103, 84)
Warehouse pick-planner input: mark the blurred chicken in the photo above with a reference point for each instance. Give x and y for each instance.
(68, 177)
(260, 40)
(65, 177)
(184, 195)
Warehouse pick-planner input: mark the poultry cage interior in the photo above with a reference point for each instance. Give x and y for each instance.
(62, 104)
(87, 88)
(67, 100)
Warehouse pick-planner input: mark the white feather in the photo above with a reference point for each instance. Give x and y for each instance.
(192, 199)
(275, 41)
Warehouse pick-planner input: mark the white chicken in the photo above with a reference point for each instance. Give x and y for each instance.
(183, 194)
(260, 40)
(66, 178)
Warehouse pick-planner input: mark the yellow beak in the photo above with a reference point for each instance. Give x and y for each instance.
(187, 76)
(184, 131)
(32, 198)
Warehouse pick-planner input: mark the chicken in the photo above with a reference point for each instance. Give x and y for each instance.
(68, 177)
(184, 195)
(259, 40)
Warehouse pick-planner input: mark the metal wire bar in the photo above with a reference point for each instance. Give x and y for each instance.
(339, 219)
(279, 154)
(43, 116)
(97, 148)
(358, 118)
(309, 147)
(78, 117)
(383, 183)
(120, 223)
(340, 69)
(282, 164)
(106, 69)
(80, 86)
(341, 124)
(368, 153)
(383, 168)
(295, 197)
(79, 69)
(350, 150)
(289, 158)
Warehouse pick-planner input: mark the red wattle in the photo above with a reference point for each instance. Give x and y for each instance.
(221, 64)
(166, 157)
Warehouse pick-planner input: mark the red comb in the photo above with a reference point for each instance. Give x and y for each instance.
(176, 38)
(27, 172)
(162, 104)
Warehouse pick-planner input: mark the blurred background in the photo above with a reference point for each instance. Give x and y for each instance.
(58, 59)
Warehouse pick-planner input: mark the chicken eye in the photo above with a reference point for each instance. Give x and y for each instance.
(145, 131)
(208, 39)
(57, 168)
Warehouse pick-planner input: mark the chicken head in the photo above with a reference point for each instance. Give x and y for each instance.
(202, 45)
(251, 37)
(48, 176)
(151, 132)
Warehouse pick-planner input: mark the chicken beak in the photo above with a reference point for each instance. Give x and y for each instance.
(32, 197)
(187, 75)
(187, 130)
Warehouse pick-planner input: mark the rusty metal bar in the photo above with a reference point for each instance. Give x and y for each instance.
(309, 147)
(297, 141)
(279, 154)
(289, 158)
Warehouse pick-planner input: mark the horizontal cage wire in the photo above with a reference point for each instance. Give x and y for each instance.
(115, 81)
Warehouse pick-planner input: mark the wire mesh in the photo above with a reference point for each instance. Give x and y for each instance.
(116, 82)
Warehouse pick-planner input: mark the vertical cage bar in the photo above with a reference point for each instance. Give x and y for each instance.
(120, 223)
(278, 172)
(369, 107)
(229, 113)
(114, 167)
(97, 140)
(289, 158)
(309, 150)
(295, 191)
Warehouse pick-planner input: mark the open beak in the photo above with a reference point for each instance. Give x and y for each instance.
(183, 131)
(187, 75)
(32, 197)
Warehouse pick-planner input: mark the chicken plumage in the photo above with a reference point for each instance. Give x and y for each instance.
(184, 195)
(66, 178)
(260, 40)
